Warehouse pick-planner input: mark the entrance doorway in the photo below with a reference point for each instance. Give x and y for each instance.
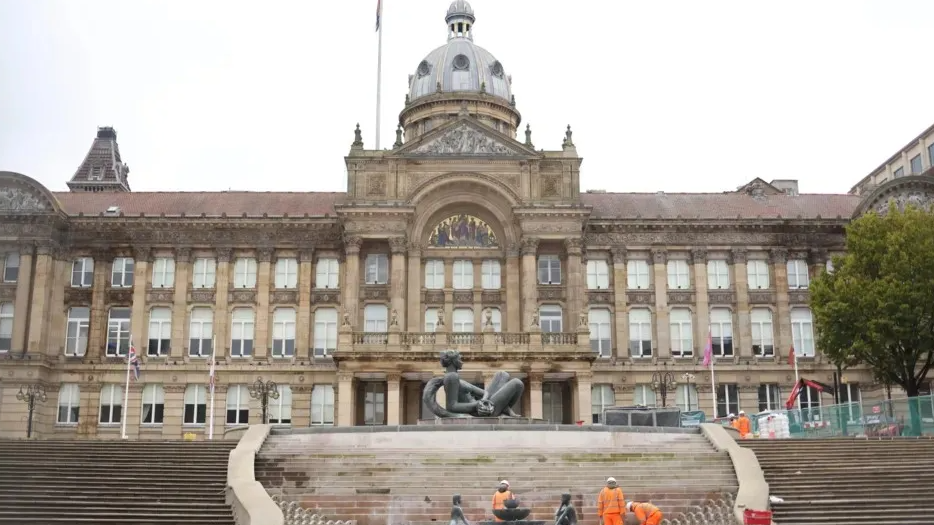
(556, 406)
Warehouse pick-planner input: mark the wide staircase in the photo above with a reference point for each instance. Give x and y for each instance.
(841, 481)
(409, 477)
(137, 482)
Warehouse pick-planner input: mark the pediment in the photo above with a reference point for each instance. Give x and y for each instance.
(465, 138)
(20, 194)
(759, 188)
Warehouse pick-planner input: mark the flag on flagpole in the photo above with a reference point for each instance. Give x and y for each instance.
(793, 360)
(134, 361)
(708, 351)
(379, 13)
(211, 373)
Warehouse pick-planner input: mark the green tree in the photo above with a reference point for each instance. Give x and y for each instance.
(877, 307)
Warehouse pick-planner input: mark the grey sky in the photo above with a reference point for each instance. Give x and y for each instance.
(672, 95)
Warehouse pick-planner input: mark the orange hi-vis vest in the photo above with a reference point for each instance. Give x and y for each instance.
(611, 501)
(644, 511)
(499, 499)
(743, 426)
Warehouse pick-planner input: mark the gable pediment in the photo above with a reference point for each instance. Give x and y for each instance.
(463, 138)
(759, 188)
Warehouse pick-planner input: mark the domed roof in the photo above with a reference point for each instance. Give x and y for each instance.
(460, 65)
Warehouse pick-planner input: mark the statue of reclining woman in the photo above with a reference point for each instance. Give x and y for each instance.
(463, 399)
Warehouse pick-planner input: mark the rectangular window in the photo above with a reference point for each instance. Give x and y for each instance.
(121, 275)
(797, 274)
(463, 275)
(376, 318)
(644, 396)
(757, 273)
(118, 332)
(462, 321)
(763, 343)
(809, 402)
(679, 276)
(163, 272)
(434, 274)
(916, 164)
(601, 341)
(377, 269)
(431, 319)
(721, 331)
(111, 404)
(6, 327)
(245, 273)
(931, 155)
(637, 275)
(852, 398)
(601, 398)
(687, 397)
(203, 273)
(770, 398)
(374, 403)
(201, 332)
(327, 273)
(718, 274)
(160, 332)
(490, 275)
(11, 268)
(322, 405)
(640, 332)
(153, 405)
(195, 406)
(76, 331)
(283, 332)
(598, 275)
(280, 410)
(82, 272)
(900, 172)
(727, 399)
(287, 273)
(549, 269)
(550, 318)
(682, 335)
(325, 331)
(69, 404)
(241, 332)
(238, 405)
(802, 332)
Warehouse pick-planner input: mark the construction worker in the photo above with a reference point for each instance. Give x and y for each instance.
(732, 419)
(645, 512)
(611, 505)
(743, 425)
(500, 496)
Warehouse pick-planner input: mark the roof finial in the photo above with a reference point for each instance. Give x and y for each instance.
(528, 136)
(398, 143)
(568, 143)
(358, 137)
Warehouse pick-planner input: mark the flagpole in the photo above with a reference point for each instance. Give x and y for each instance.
(713, 386)
(126, 392)
(379, 67)
(796, 364)
(212, 379)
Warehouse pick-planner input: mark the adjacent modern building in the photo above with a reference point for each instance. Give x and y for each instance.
(460, 236)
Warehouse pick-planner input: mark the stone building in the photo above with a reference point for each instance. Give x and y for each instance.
(460, 236)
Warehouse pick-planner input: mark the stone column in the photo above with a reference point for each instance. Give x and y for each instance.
(620, 309)
(303, 323)
(139, 324)
(61, 269)
(97, 329)
(702, 303)
(41, 307)
(350, 287)
(779, 258)
(345, 401)
(261, 336)
(529, 281)
(221, 311)
(512, 316)
(397, 288)
(173, 415)
(393, 399)
(575, 287)
(662, 329)
(180, 303)
(301, 405)
(413, 311)
(536, 400)
(622, 395)
(21, 304)
(743, 344)
(584, 382)
(817, 262)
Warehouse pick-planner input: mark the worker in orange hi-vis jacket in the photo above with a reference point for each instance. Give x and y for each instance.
(645, 512)
(500, 497)
(611, 504)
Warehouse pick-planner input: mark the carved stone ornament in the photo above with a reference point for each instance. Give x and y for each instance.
(352, 244)
(142, 254)
(817, 256)
(551, 185)
(797, 297)
(182, 254)
(551, 293)
(513, 250)
(535, 323)
(78, 296)
(487, 318)
(264, 254)
(619, 254)
(284, 297)
(778, 255)
(7, 293)
(376, 184)
(160, 296)
(328, 296)
(462, 140)
(345, 321)
(529, 246)
(306, 255)
(463, 297)
(574, 245)
(680, 297)
(721, 297)
(699, 256)
(397, 245)
(583, 321)
(600, 297)
(434, 297)
(20, 200)
(738, 256)
(917, 198)
(488, 297)
(440, 322)
(393, 318)
(241, 296)
(120, 296)
(375, 292)
(761, 297)
(223, 254)
(660, 256)
(640, 297)
(202, 296)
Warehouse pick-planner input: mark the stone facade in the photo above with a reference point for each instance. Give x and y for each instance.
(460, 237)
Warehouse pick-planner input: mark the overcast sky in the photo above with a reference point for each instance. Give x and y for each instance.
(677, 95)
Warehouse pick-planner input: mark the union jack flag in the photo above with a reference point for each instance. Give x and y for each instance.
(134, 362)
(379, 13)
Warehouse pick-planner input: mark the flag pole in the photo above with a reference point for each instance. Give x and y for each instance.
(212, 379)
(713, 385)
(379, 64)
(126, 392)
(796, 363)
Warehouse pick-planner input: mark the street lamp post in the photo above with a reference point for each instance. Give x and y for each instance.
(688, 378)
(662, 383)
(264, 391)
(31, 394)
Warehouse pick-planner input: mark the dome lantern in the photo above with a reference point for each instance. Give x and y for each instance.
(460, 20)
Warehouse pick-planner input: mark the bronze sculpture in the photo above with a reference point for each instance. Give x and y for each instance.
(457, 513)
(566, 513)
(463, 399)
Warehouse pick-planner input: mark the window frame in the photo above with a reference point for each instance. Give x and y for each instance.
(602, 346)
(464, 325)
(598, 274)
(801, 346)
(603, 391)
(327, 391)
(728, 399)
(324, 337)
(199, 393)
(684, 329)
(549, 269)
(280, 407)
(637, 271)
(198, 350)
(772, 398)
(7, 323)
(204, 273)
(241, 395)
(765, 330)
(244, 273)
(125, 269)
(155, 395)
(491, 275)
(645, 391)
(462, 274)
(755, 274)
(378, 324)
(69, 398)
(81, 324)
(722, 345)
(718, 274)
(679, 274)
(243, 346)
(163, 272)
(160, 346)
(113, 410)
(286, 277)
(122, 327)
(552, 313)
(285, 327)
(11, 264)
(794, 267)
(434, 279)
(83, 268)
(376, 265)
(327, 273)
(637, 346)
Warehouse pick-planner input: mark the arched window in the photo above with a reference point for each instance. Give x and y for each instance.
(283, 332)
(241, 332)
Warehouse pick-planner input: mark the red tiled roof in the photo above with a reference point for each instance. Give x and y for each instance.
(718, 205)
(233, 203)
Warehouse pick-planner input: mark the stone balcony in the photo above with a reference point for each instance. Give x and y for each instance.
(473, 346)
